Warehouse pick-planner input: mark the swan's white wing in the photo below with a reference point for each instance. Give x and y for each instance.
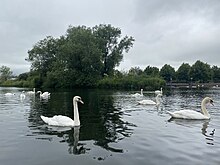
(58, 121)
(147, 102)
(30, 92)
(187, 114)
(157, 92)
(136, 95)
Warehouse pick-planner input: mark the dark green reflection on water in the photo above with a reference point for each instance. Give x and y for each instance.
(100, 120)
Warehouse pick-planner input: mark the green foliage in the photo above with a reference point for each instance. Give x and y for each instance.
(111, 47)
(5, 73)
(201, 72)
(183, 73)
(216, 74)
(168, 73)
(152, 71)
(23, 76)
(131, 82)
(79, 58)
(87, 57)
(135, 71)
(43, 54)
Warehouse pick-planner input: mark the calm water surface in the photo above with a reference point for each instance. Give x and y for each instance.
(114, 129)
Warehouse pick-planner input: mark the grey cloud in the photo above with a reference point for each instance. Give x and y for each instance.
(165, 31)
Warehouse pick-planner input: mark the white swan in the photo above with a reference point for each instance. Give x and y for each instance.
(191, 114)
(44, 95)
(31, 92)
(22, 95)
(64, 121)
(151, 102)
(9, 94)
(159, 91)
(138, 94)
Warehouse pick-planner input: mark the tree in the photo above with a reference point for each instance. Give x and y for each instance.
(151, 71)
(183, 73)
(216, 74)
(42, 55)
(200, 72)
(167, 72)
(79, 58)
(135, 71)
(112, 46)
(5, 73)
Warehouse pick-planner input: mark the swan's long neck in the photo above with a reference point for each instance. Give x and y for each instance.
(157, 100)
(204, 110)
(76, 113)
(141, 91)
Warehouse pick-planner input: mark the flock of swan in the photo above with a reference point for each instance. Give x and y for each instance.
(59, 120)
(64, 121)
(181, 114)
(44, 95)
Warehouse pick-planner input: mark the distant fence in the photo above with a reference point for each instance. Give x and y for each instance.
(192, 85)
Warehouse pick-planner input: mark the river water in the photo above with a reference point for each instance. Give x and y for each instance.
(114, 129)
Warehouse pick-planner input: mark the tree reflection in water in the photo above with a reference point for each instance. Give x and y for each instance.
(100, 121)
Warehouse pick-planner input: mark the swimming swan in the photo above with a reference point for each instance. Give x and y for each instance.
(44, 95)
(159, 91)
(138, 94)
(151, 102)
(190, 114)
(64, 121)
(22, 95)
(31, 92)
(9, 94)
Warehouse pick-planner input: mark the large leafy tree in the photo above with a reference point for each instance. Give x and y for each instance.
(42, 55)
(183, 73)
(79, 57)
(5, 73)
(151, 71)
(168, 73)
(200, 72)
(112, 46)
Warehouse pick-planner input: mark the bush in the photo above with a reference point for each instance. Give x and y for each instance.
(131, 82)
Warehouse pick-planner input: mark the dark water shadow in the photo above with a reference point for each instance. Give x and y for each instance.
(100, 121)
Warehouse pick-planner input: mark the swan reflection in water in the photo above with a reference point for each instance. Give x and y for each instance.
(209, 135)
(70, 135)
(77, 148)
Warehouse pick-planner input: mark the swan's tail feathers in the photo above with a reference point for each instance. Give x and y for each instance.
(45, 119)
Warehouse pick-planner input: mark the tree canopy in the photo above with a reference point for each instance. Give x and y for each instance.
(5, 73)
(81, 57)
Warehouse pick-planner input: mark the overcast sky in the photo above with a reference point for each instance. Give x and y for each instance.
(165, 31)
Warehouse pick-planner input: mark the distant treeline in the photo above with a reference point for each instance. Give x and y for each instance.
(87, 57)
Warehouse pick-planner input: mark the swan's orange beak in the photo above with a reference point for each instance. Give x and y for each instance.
(81, 101)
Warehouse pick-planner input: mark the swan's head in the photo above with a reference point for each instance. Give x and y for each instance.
(207, 100)
(78, 99)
